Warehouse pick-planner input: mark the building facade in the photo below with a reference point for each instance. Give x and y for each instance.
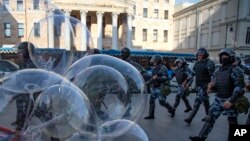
(113, 24)
(213, 24)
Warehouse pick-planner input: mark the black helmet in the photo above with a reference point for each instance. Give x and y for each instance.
(238, 59)
(181, 60)
(24, 47)
(156, 59)
(125, 53)
(202, 51)
(228, 51)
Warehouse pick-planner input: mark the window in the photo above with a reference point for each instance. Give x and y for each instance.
(37, 29)
(156, 13)
(19, 5)
(36, 4)
(155, 35)
(166, 14)
(20, 29)
(144, 38)
(133, 33)
(145, 12)
(6, 4)
(248, 36)
(165, 36)
(7, 29)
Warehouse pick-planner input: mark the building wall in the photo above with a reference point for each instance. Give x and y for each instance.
(213, 24)
(151, 23)
(29, 16)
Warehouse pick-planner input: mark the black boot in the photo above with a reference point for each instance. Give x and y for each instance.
(196, 138)
(171, 110)
(150, 117)
(188, 120)
(188, 109)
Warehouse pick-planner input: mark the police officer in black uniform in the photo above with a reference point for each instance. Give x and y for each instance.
(159, 78)
(203, 70)
(228, 83)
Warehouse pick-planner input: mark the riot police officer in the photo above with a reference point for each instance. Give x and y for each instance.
(181, 73)
(22, 100)
(203, 70)
(125, 54)
(159, 79)
(237, 62)
(228, 83)
(246, 71)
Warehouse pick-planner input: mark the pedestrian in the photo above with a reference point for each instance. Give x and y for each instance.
(158, 80)
(203, 70)
(181, 73)
(228, 83)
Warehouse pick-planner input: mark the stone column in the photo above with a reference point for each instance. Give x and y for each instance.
(99, 30)
(84, 39)
(51, 30)
(129, 30)
(68, 27)
(114, 31)
(210, 25)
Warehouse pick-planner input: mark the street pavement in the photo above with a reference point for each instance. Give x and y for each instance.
(165, 128)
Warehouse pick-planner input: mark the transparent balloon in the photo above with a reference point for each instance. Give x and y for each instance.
(136, 83)
(20, 90)
(106, 89)
(53, 39)
(64, 110)
(47, 6)
(110, 131)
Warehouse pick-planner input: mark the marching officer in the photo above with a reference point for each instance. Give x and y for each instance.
(158, 80)
(203, 70)
(181, 73)
(228, 83)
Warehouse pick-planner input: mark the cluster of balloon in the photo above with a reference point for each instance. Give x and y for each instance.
(96, 74)
(45, 102)
(70, 96)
